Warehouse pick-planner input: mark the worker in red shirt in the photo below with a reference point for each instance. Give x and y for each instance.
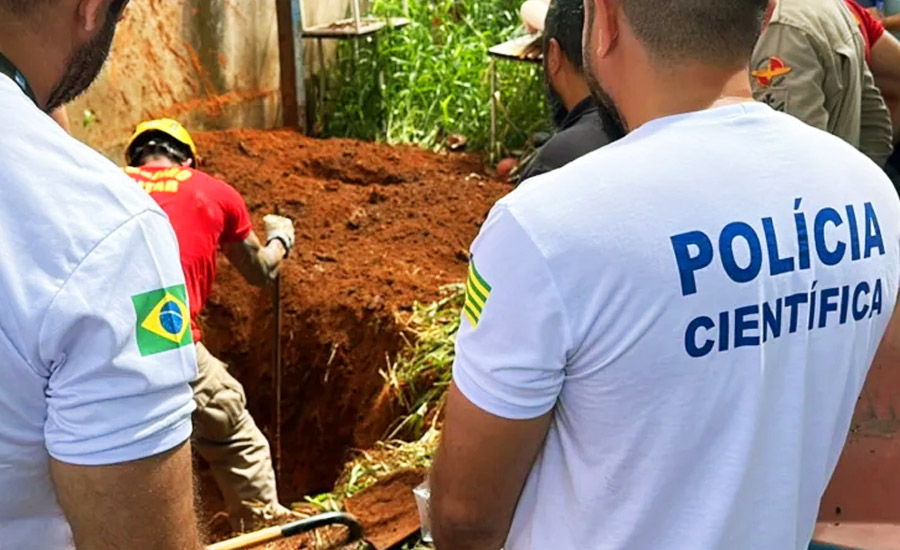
(209, 215)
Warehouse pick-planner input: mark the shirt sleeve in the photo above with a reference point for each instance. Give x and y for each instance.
(876, 132)
(514, 336)
(873, 28)
(116, 345)
(787, 74)
(238, 224)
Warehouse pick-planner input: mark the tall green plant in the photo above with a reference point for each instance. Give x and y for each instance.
(436, 80)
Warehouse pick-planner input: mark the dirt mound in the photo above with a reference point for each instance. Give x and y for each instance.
(378, 228)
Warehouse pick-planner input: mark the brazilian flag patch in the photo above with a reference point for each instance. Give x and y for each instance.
(163, 320)
(477, 293)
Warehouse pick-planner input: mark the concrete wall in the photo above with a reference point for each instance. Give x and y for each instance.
(209, 63)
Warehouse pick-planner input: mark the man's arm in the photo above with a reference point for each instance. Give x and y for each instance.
(892, 22)
(140, 505)
(511, 356)
(889, 348)
(118, 357)
(876, 134)
(258, 264)
(885, 67)
(479, 473)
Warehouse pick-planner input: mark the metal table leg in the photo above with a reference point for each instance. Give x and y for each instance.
(494, 98)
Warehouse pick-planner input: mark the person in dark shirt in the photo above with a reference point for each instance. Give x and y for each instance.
(582, 126)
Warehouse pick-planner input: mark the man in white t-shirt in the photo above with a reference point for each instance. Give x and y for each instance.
(663, 341)
(95, 343)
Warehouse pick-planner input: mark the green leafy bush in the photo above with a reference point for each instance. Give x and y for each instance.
(433, 77)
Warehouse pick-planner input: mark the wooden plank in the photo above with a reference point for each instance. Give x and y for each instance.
(525, 48)
(290, 53)
(346, 28)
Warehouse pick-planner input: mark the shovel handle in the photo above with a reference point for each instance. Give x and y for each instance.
(291, 529)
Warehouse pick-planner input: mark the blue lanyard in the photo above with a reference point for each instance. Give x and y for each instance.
(10, 70)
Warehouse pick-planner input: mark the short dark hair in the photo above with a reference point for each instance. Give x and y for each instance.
(157, 144)
(22, 7)
(565, 23)
(717, 32)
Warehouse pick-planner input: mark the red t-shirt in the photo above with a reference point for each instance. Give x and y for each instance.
(205, 213)
(871, 28)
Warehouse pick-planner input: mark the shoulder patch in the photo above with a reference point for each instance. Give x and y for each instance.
(163, 320)
(477, 293)
(770, 71)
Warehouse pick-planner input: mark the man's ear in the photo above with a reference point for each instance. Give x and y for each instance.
(606, 25)
(92, 15)
(189, 163)
(554, 57)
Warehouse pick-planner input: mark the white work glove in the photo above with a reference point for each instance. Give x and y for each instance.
(281, 228)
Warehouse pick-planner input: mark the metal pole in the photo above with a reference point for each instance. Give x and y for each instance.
(322, 83)
(356, 16)
(494, 93)
(278, 376)
(276, 308)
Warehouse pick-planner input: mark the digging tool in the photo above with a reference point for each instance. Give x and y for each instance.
(276, 436)
(251, 540)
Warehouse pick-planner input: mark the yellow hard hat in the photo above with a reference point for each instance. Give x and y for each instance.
(171, 128)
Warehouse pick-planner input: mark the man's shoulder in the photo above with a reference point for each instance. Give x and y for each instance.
(66, 195)
(823, 21)
(213, 184)
(587, 135)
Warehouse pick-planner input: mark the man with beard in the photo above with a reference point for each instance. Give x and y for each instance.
(95, 343)
(582, 125)
(663, 342)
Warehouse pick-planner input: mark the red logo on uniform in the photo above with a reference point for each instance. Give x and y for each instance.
(770, 70)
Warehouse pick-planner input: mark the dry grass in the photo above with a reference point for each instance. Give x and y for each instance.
(421, 374)
(418, 378)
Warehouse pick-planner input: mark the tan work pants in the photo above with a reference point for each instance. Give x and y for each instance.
(228, 439)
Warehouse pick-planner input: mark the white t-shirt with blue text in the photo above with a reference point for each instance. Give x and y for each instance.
(698, 305)
(95, 366)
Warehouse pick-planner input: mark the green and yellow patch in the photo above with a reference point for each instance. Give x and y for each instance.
(477, 293)
(163, 320)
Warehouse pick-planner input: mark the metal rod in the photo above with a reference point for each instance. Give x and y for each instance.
(322, 83)
(494, 93)
(356, 16)
(276, 309)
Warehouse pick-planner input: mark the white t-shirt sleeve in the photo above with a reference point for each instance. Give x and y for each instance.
(514, 336)
(111, 398)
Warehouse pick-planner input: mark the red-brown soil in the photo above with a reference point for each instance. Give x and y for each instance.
(378, 228)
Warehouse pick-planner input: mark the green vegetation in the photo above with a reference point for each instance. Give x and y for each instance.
(435, 80)
(421, 374)
(418, 379)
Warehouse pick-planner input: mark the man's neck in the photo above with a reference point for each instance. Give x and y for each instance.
(34, 54)
(574, 92)
(684, 90)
